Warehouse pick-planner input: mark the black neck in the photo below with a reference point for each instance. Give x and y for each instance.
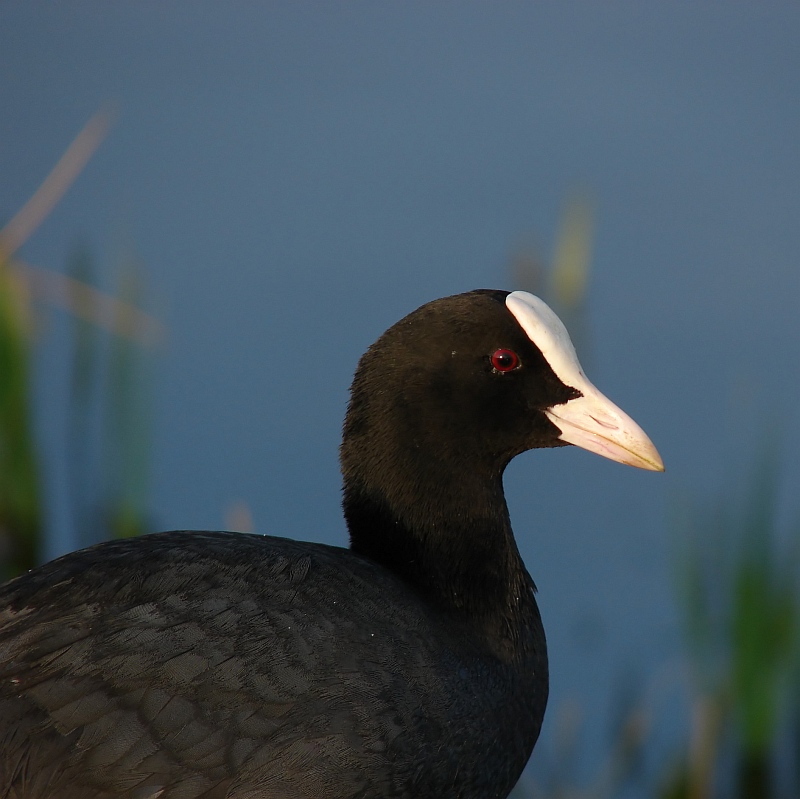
(455, 546)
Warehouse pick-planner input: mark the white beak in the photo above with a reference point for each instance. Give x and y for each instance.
(591, 421)
(594, 423)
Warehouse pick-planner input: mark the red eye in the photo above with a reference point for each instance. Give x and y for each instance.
(505, 360)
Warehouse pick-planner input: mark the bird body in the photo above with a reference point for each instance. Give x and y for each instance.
(179, 658)
(198, 664)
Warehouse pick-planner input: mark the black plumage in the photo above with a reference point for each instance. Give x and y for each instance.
(197, 664)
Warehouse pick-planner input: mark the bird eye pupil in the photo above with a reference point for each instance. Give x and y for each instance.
(505, 360)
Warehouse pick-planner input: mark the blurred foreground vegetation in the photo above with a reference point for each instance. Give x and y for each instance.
(737, 585)
(736, 570)
(107, 430)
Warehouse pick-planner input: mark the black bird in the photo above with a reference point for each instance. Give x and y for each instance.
(203, 664)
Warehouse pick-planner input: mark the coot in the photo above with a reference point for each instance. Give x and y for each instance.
(204, 664)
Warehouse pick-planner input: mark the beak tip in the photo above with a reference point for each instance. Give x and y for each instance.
(647, 458)
(655, 461)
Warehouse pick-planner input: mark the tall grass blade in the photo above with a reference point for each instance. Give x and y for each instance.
(20, 492)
